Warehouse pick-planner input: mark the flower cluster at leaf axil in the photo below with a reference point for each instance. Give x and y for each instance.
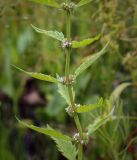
(77, 138)
(66, 44)
(68, 6)
(72, 109)
(66, 81)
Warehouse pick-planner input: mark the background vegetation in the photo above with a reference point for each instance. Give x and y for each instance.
(39, 102)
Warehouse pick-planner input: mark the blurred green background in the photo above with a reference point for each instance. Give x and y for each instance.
(40, 103)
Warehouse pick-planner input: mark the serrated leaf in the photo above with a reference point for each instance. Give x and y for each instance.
(100, 121)
(83, 2)
(85, 42)
(39, 76)
(63, 90)
(90, 60)
(63, 142)
(67, 149)
(47, 131)
(54, 34)
(50, 3)
(117, 92)
(88, 108)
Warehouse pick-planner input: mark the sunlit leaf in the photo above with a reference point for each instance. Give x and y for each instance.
(54, 34)
(51, 3)
(85, 42)
(89, 61)
(117, 92)
(113, 102)
(88, 108)
(83, 2)
(39, 76)
(47, 131)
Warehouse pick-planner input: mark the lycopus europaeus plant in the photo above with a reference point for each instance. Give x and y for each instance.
(72, 146)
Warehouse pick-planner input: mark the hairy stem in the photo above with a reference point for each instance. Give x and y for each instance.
(67, 73)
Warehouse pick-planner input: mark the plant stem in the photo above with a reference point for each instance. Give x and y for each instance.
(68, 29)
(68, 25)
(80, 152)
(67, 73)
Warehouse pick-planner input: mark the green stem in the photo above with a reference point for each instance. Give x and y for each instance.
(68, 29)
(80, 153)
(67, 68)
(67, 72)
(76, 118)
(68, 25)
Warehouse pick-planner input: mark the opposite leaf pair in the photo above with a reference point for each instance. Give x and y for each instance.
(53, 3)
(59, 36)
(87, 63)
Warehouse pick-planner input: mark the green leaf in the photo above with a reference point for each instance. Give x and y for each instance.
(113, 102)
(85, 42)
(67, 149)
(117, 92)
(47, 131)
(50, 3)
(54, 34)
(55, 106)
(88, 108)
(100, 121)
(63, 142)
(90, 60)
(83, 2)
(63, 90)
(39, 76)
